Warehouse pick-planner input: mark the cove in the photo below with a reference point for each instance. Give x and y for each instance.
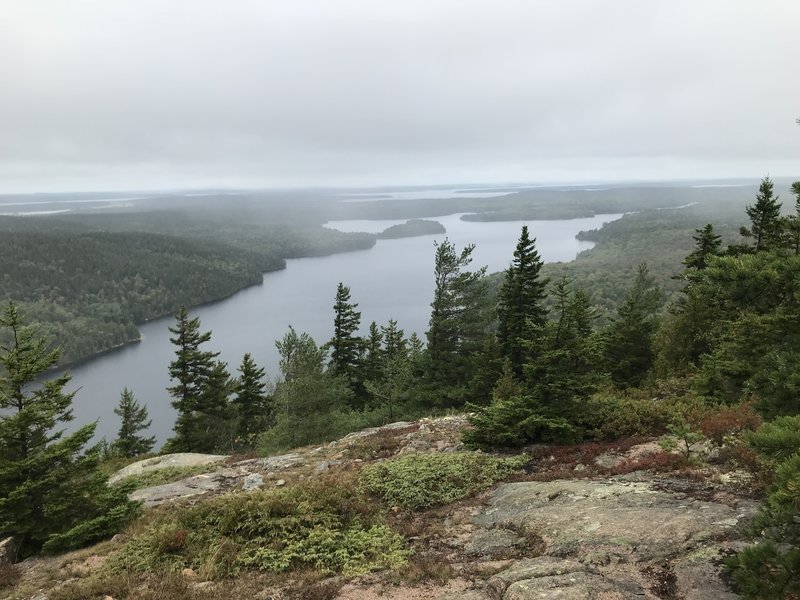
(394, 279)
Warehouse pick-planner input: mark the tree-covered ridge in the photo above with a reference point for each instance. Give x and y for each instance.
(89, 281)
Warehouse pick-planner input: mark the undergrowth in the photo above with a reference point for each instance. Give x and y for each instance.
(419, 481)
(325, 525)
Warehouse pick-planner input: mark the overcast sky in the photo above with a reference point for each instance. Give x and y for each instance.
(141, 94)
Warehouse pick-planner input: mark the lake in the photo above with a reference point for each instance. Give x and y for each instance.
(394, 279)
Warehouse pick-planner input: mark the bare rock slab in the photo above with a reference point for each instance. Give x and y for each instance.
(178, 459)
(628, 517)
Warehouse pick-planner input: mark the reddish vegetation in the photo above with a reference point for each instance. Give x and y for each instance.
(720, 421)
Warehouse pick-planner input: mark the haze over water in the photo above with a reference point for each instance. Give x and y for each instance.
(394, 280)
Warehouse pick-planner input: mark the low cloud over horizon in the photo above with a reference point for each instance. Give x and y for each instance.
(107, 94)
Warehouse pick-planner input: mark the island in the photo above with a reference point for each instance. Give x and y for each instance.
(412, 228)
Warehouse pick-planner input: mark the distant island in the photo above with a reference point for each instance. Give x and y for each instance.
(412, 228)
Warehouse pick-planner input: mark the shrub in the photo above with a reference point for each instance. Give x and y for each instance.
(325, 525)
(9, 575)
(418, 481)
(718, 422)
(516, 422)
(771, 568)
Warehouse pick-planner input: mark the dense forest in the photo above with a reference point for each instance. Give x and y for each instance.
(704, 351)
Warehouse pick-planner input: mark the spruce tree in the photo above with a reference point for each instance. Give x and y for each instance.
(629, 343)
(134, 419)
(520, 301)
(373, 353)
(345, 344)
(765, 228)
(212, 426)
(51, 492)
(707, 244)
(458, 324)
(394, 341)
(189, 370)
(254, 405)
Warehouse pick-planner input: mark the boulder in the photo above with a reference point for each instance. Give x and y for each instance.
(8, 550)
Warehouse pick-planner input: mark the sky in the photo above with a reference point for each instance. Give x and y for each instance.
(164, 94)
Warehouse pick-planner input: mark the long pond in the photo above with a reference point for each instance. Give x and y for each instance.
(394, 279)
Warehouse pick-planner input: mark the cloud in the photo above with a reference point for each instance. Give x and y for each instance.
(107, 93)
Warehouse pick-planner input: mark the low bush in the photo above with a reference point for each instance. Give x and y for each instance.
(325, 525)
(419, 481)
(719, 422)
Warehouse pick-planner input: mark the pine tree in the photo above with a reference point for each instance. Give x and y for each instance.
(254, 405)
(707, 244)
(190, 370)
(765, 218)
(458, 324)
(520, 301)
(51, 492)
(134, 419)
(629, 344)
(346, 345)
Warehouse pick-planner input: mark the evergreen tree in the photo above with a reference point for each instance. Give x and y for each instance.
(547, 408)
(707, 244)
(190, 370)
(254, 405)
(765, 228)
(458, 324)
(346, 345)
(629, 343)
(306, 395)
(394, 341)
(51, 492)
(212, 426)
(520, 301)
(133, 420)
(792, 223)
(373, 353)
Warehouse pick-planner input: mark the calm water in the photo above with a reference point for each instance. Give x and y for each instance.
(392, 280)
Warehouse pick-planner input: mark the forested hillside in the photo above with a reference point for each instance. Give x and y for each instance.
(90, 279)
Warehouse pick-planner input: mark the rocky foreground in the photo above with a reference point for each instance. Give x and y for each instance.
(591, 521)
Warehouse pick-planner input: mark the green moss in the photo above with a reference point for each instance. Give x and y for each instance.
(419, 481)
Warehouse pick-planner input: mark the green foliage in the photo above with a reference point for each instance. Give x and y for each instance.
(254, 406)
(346, 347)
(51, 491)
(771, 567)
(134, 419)
(90, 278)
(325, 525)
(560, 374)
(419, 481)
(629, 338)
(778, 439)
(766, 226)
(459, 323)
(516, 422)
(201, 392)
(520, 298)
(707, 244)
